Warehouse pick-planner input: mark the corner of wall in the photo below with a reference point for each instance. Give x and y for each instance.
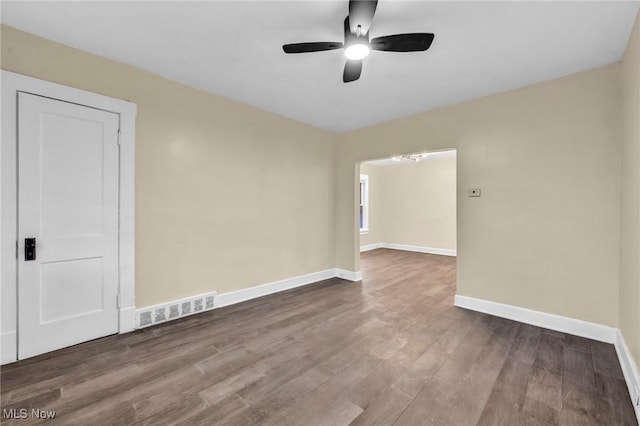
(629, 280)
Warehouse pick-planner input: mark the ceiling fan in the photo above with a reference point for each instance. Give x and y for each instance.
(356, 40)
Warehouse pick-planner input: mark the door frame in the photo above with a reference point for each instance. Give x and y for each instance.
(11, 84)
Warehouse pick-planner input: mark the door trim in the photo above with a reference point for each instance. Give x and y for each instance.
(13, 83)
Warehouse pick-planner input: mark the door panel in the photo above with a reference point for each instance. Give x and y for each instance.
(82, 198)
(68, 201)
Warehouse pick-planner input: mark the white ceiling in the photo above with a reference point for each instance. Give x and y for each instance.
(233, 48)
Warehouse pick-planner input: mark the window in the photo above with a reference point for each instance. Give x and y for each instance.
(364, 204)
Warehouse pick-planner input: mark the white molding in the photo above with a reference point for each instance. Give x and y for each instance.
(13, 83)
(9, 344)
(364, 198)
(127, 236)
(348, 275)
(233, 297)
(630, 371)
(373, 246)
(127, 319)
(406, 247)
(174, 309)
(421, 249)
(573, 326)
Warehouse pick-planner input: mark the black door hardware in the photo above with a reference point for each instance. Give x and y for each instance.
(29, 249)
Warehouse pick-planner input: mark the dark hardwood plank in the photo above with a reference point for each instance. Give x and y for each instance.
(614, 400)
(473, 392)
(579, 396)
(545, 384)
(384, 410)
(214, 414)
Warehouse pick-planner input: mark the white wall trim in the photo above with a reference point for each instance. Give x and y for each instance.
(420, 249)
(348, 275)
(233, 297)
(128, 319)
(13, 83)
(630, 371)
(364, 199)
(406, 247)
(573, 326)
(9, 345)
(373, 246)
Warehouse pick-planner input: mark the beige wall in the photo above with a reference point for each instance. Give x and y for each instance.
(545, 233)
(630, 206)
(227, 196)
(413, 203)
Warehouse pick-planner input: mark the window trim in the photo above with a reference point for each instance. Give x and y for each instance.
(364, 202)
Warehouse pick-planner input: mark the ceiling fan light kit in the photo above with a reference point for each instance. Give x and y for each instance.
(356, 51)
(356, 43)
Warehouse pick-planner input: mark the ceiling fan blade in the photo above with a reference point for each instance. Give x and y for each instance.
(361, 13)
(413, 42)
(311, 47)
(352, 70)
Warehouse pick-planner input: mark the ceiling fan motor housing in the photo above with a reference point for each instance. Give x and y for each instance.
(354, 37)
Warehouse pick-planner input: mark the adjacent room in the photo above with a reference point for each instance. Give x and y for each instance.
(320, 212)
(408, 202)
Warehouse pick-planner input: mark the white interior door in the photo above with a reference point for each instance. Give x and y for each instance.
(68, 202)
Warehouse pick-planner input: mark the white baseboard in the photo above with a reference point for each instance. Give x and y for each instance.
(420, 249)
(233, 297)
(9, 347)
(127, 319)
(180, 308)
(405, 247)
(348, 275)
(630, 371)
(372, 246)
(573, 326)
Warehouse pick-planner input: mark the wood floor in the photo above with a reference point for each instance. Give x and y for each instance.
(389, 350)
